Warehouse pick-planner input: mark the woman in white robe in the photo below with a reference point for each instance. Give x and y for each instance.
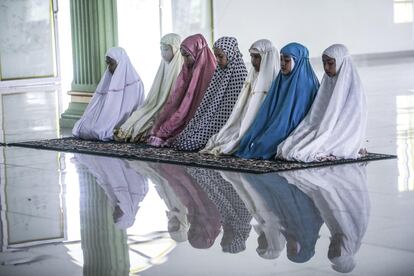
(136, 127)
(335, 126)
(118, 94)
(265, 61)
(340, 194)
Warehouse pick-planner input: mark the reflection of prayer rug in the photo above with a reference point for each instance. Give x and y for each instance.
(167, 155)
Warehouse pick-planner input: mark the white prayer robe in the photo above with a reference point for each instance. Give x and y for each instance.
(114, 100)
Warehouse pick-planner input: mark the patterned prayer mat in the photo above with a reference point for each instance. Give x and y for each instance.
(167, 155)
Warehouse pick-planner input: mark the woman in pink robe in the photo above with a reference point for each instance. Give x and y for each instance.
(190, 86)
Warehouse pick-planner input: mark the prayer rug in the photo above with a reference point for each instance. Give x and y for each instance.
(168, 155)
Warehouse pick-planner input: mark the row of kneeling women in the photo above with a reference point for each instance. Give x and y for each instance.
(200, 101)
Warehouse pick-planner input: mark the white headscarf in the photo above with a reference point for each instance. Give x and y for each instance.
(269, 65)
(115, 98)
(335, 125)
(267, 223)
(123, 76)
(142, 119)
(341, 196)
(254, 91)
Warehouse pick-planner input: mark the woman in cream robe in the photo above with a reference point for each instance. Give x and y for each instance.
(143, 118)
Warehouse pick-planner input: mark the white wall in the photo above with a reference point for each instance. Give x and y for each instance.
(364, 26)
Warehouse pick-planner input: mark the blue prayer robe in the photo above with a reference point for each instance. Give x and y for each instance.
(290, 98)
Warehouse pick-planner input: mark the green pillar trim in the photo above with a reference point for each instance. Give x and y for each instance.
(94, 31)
(94, 28)
(72, 114)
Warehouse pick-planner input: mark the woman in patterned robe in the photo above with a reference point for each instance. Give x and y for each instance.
(220, 98)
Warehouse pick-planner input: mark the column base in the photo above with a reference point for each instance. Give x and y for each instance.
(78, 103)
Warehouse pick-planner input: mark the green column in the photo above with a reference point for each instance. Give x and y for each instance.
(104, 246)
(94, 28)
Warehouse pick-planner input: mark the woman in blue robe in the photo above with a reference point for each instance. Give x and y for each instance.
(287, 103)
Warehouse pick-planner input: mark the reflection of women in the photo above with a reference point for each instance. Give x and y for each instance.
(235, 217)
(296, 212)
(270, 240)
(203, 215)
(177, 212)
(124, 187)
(341, 196)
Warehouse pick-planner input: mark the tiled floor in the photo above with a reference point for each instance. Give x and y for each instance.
(59, 214)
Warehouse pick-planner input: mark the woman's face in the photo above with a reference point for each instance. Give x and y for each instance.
(166, 52)
(285, 64)
(111, 63)
(228, 235)
(335, 247)
(256, 59)
(188, 59)
(117, 214)
(329, 65)
(291, 246)
(221, 58)
(262, 241)
(173, 224)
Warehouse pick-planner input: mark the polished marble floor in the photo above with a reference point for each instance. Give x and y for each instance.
(73, 214)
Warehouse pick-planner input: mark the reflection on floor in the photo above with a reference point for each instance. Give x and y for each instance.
(73, 214)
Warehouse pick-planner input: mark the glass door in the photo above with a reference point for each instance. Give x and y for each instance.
(28, 42)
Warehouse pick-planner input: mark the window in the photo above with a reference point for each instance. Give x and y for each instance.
(405, 142)
(141, 23)
(403, 11)
(186, 17)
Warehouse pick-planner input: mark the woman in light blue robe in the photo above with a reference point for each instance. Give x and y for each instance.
(287, 103)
